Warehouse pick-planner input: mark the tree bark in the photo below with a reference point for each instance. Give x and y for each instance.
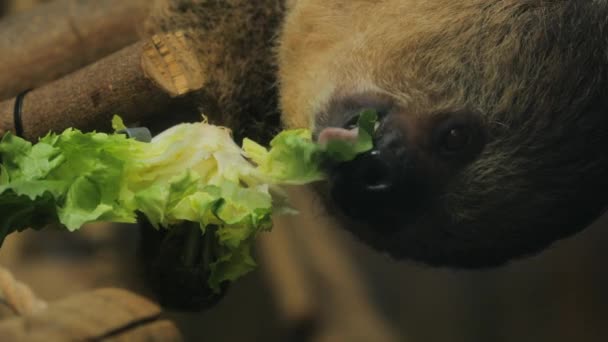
(107, 314)
(141, 83)
(56, 38)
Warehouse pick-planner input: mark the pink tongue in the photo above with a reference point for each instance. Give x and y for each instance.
(335, 133)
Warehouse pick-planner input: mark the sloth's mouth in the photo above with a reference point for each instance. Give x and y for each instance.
(352, 185)
(374, 232)
(380, 188)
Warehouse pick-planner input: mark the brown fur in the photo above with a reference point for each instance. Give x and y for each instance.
(234, 39)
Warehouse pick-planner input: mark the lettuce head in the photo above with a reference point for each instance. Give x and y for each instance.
(191, 172)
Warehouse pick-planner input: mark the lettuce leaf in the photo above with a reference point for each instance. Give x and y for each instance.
(191, 172)
(294, 159)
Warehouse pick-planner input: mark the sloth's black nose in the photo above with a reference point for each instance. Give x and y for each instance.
(370, 174)
(372, 188)
(362, 185)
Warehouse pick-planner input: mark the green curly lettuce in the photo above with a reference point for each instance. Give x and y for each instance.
(190, 172)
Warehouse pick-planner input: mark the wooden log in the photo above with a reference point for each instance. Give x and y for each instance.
(141, 83)
(17, 297)
(58, 37)
(100, 315)
(161, 331)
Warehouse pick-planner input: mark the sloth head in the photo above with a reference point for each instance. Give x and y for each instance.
(493, 133)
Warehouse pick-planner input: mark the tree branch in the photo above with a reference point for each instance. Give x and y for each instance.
(56, 38)
(139, 83)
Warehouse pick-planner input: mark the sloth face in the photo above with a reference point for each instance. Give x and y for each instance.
(493, 124)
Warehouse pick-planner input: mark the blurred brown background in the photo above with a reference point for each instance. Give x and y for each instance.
(15, 6)
(556, 296)
(318, 284)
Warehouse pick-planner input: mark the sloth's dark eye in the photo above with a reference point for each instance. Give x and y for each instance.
(458, 136)
(456, 139)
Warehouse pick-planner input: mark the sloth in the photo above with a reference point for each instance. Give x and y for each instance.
(492, 133)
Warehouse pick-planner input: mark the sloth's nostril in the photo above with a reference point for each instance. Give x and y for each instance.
(352, 122)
